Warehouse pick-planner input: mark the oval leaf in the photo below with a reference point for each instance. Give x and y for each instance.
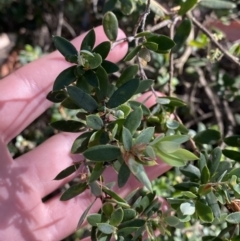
(128, 74)
(68, 126)
(103, 49)
(233, 218)
(64, 46)
(187, 208)
(73, 191)
(207, 137)
(123, 175)
(88, 41)
(217, 4)
(110, 25)
(67, 172)
(204, 212)
(106, 228)
(94, 122)
(233, 155)
(127, 139)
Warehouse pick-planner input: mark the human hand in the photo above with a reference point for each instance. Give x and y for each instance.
(29, 178)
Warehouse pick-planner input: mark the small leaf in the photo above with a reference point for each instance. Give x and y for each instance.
(205, 175)
(128, 74)
(144, 54)
(190, 171)
(207, 137)
(92, 62)
(233, 155)
(56, 96)
(123, 175)
(127, 139)
(68, 126)
(132, 53)
(187, 208)
(189, 194)
(109, 67)
(95, 189)
(81, 143)
(204, 212)
(126, 231)
(94, 122)
(172, 221)
(73, 191)
(106, 228)
(233, 141)
(69, 104)
(94, 219)
(110, 25)
(168, 146)
(186, 6)
(64, 46)
(102, 153)
(109, 5)
(82, 99)
(144, 85)
(145, 136)
(174, 102)
(164, 43)
(132, 223)
(233, 218)
(107, 209)
(151, 46)
(129, 214)
(96, 172)
(139, 172)
(102, 92)
(116, 217)
(135, 104)
(184, 154)
(133, 120)
(127, 7)
(65, 78)
(67, 172)
(215, 160)
(123, 93)
(185, 186)
(172, 124)
(114, 195)
(91, 78)
(217, 4)
(88, 41)
(103, 49)
(182, 33)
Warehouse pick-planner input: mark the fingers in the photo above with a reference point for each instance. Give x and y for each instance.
(23, 93)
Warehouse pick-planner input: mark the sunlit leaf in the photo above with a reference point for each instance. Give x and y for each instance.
(187, 208)
(204, 212)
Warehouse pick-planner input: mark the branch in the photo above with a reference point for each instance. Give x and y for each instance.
(213, 40)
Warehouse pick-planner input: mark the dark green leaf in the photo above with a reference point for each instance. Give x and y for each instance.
(116, 217)
(103, 49)
(127, 139)
(128, 74)
(94, 122)
(73, 191)
(133, 120)
(69, 104)
(72, 59)
(113, 195)
(83, 84)
(132, 53)
(126, 231)
(106, 228)
(151, 46)
(94, 219)
(185, 186)
(202, 161)
(186, 6)
(131, 194)
(190, 171)
(65, 78)
(68, 126)
(145, 136)
(91, 78)
(205, 175)
(64, 46)
(123, 93)
(123, 175)
(223, 168)
(215, 160)
(174, 102)
(102, 92)
(233, 141)
(109, 67)
(233, 155)
(96, 172)
(127, 6)
(164, 43)
(213, 203)
(88, 41)
(95, 189)
(181, 35)
(207, 137)
(144, 85)
(135, 104)
(132, 223)
(204, 212)
(81, 143)
(233, 218)
(129, 214)
(67, 172)
(82, 99)
(56, 96)
(217, 4)
(110, 25)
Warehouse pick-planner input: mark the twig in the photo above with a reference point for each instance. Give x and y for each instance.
(69, 28)
(160, 25)
(211, 97)
(198, 119)
(60, 18)
(214, 41)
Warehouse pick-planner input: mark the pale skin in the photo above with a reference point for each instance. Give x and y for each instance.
(29, 178)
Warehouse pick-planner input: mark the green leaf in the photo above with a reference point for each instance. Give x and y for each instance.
(164, 43)
(65, 78)
(132, 53)
(133, 120)
(109, 67)
(102, 92)
(172, 124)
(135, 104)
(67, 172)
(64, 46)
(145, 136)
(189, 194)
(109, 5)
(190, 171)
(186, 6)
(107, 209)
(85, 213)
(94, 122)
(172, 221)
(123, 175)
(73, 191)
(145, 54)
(88, 41)
(91, 78)
(127, 7)
(129, 214)
(151, 46)
(56, 96)
(182, 33)
(81, 143)
(187, 208)
(217, 4)
(126, 231)
(114, 195)
(233, 155)
(106, 228)
(123, 93)
(185, 186)
(128, 74)
(174, 102)
(144, 85)
(132, 223)
(205, 175)
(94, 219)
(233, 218)
(168, 146)
(96, 172)
(116, 217)
(233, 141)
(82, 99)
(213, 203)
(127, 139)
(207, 137)
(110, 25)
(204, 212)
(215, 160)
(139, 172)
(95, 189)
(103, 49)
(69, 104)
(68, 126)
(92, 62)
(102, 153)
(184, 154)
(125, 109)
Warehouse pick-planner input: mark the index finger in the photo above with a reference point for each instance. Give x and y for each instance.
(23, 93)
